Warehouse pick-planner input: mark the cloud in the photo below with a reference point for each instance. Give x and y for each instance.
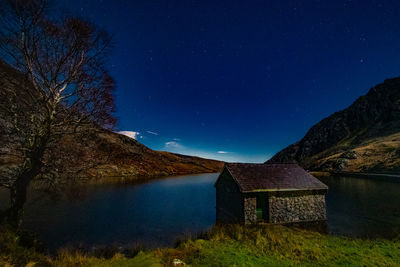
(131, 134)
(173, 144)
(222, 152)
(176, 139)
(153, 133)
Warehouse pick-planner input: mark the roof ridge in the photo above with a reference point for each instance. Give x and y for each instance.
(252, 177)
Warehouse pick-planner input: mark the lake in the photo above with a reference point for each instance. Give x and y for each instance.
(157, 213)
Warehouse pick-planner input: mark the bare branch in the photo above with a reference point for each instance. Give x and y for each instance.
(62, 60)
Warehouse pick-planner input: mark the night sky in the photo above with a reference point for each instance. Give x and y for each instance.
(240, 80)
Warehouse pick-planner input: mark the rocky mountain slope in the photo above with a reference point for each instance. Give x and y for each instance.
(92, 153)
(364, 137)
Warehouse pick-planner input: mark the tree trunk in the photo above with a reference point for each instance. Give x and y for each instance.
(18, 191)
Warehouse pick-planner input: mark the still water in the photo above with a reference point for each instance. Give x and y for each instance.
(159, 212)
(363, 207)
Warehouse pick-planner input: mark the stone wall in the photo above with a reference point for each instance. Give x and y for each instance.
(297, 208)
(250, 205)
(229, 200)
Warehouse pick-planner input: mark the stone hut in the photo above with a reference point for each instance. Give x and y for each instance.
(273, 193)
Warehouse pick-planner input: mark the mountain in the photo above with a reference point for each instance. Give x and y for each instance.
(364, 137)
(94, 152)
(127, 158)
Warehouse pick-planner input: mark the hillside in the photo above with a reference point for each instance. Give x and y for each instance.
(364, 137)
(110, 154)
(92, 152)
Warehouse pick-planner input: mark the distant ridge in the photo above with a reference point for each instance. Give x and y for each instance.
(107, 154)
(364, 137)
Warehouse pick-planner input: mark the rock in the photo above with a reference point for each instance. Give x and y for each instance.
(349, 155)
(178, 262)
(250, 205)
(340, 164)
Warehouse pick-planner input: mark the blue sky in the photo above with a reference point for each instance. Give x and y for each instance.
(240, 80)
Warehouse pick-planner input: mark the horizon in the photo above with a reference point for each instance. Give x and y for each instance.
(238, 81)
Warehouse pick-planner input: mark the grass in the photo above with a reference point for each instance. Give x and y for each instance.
(231, 245)
(282, 246)
(68, 259)
(378, 154)
(20, 248)
(321, 174)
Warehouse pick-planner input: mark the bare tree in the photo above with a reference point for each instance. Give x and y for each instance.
(64, 85)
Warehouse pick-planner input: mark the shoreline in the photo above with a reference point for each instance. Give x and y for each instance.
(126, 180)
(118, 179)
(385, 176)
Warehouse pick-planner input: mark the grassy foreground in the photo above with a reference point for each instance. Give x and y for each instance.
(231, 245)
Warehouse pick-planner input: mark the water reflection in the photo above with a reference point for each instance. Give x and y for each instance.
(363, 207)
(158, 212)
(153, 214)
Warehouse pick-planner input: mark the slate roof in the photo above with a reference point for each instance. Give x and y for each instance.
(273, 177)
